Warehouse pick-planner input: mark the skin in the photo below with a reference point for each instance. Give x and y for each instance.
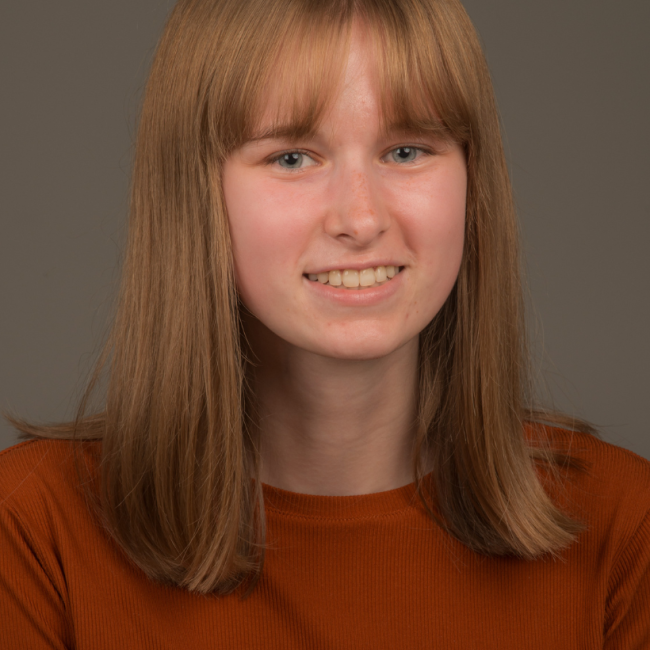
(336, 383)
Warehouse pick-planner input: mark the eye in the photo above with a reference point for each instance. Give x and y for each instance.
(293, 160)
(406, 154)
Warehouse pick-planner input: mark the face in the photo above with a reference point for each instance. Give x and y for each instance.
(311, 216)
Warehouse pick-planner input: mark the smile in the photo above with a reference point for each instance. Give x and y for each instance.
(353, 279)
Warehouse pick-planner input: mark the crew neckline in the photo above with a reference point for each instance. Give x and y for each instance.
(358, 506)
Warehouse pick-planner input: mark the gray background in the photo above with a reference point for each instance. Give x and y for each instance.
(572, 82)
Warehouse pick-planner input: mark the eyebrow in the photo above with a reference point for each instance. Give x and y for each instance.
(283, 132)
(292, 132)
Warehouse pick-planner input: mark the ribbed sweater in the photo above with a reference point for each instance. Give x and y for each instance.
(345, 572)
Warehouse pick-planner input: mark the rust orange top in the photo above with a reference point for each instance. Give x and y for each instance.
(370, 571)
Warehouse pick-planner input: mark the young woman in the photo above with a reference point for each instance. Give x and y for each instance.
(317, 430)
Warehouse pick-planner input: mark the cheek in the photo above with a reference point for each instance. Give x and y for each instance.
(434, 225)
(268, 231)
(444, 229)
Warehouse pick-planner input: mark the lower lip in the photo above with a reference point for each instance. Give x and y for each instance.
(357, 297)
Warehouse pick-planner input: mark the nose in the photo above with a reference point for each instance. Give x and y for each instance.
(357, 215)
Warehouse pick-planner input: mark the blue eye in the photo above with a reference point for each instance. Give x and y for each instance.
(296, 160)
(291, 160)
(404, 154)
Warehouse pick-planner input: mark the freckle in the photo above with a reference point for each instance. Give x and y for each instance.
(356, 232)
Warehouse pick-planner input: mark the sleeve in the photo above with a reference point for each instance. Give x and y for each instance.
(32, 608)
(627, 624)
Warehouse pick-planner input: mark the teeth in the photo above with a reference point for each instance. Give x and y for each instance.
(335, 278)
(367, 278)
(352, 279)
(380, 274)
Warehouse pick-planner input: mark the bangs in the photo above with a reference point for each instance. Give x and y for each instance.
(286, 79)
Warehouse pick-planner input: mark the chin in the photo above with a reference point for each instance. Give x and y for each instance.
(358, 349)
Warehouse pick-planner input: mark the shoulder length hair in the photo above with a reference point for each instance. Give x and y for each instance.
(177, 430)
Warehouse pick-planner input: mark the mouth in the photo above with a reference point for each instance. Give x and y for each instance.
(353, 279)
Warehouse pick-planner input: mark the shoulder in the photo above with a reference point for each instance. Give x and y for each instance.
(46, 529)
(611, 494)
(610, 470)
(38, 477)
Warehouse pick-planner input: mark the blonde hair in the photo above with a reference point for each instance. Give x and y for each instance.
(177, 430)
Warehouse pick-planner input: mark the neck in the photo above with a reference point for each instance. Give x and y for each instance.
(332, 426)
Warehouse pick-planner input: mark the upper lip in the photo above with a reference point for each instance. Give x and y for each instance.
(354, 266)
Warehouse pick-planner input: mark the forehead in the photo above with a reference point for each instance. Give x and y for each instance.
(300, 86)
(301, 92)
(287, 90)
(308, 78)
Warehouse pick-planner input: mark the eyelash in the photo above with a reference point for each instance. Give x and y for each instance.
(277, 156)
